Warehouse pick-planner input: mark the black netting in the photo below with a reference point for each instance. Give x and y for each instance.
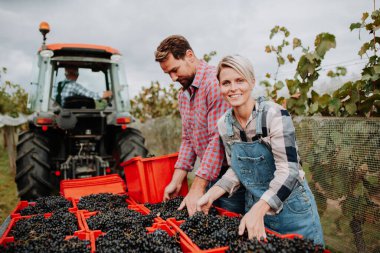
(341, 157)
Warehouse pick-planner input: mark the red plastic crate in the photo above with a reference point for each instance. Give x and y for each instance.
(76, 188)
(84, 236)
(20, 206)
(88, 236)
(93, 236)
(148, 177)
(175, 225)
(6, 238)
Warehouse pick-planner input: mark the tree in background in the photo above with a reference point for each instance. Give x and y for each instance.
(354, 98)
(155, 101)
(13, 98)
(13, 101)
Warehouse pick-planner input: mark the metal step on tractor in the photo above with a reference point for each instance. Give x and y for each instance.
(71, 134)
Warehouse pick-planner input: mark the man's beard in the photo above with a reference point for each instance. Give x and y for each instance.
(186, 82)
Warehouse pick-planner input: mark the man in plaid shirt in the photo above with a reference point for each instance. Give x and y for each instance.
(69, 87)
(200, 106)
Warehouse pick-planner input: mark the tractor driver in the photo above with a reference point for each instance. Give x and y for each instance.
(69, 87)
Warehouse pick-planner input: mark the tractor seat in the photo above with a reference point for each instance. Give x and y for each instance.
(79, 102)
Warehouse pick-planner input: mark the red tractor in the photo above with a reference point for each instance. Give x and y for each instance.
(78, 136)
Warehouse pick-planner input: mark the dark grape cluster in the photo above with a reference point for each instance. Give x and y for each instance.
(209, 231)
(218, 231)
(61, 223)
(274, 244)
(169, 209)
(121, 217)
(47, 243)
(102, 202)
(137, 240)
(40, 234)
(47, 205)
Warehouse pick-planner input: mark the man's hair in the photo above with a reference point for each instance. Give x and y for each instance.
(71, 71)
(177, 45)
(238, 63)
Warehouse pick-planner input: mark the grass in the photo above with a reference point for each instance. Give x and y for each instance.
(8, 189)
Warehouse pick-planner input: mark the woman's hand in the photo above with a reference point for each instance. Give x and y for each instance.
(253, 221)
(205, 202)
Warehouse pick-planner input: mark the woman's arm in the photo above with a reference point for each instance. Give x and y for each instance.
(229, 182)
(281, 134)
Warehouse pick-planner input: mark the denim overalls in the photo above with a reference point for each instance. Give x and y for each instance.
(254, 165)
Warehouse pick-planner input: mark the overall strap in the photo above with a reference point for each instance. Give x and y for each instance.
(228, 122)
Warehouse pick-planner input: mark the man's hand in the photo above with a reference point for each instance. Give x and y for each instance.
(107, 94)
(196, 191)
(173, 188)
(253, 221)
(171, 191)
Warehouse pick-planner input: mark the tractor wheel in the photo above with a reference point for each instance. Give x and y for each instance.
(33, 174)
(130, 143)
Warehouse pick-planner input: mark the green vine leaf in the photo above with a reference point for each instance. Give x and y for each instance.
(314, 96)
(292, 86)
(355, 26)
(296, 43)
(280, 60)
(365, 16)
(279, 85)
(290, 58)
(350, 108)
(313, 108)
(364, 49)
(323, 43)
(274, 31)
(334, 106)
(324, 100)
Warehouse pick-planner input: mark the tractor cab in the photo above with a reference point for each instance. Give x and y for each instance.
(100, 69)
(74, 133)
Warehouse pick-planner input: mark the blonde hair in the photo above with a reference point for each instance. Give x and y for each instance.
(238, 63)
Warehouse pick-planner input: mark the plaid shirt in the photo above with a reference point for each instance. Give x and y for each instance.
(201, 105)
(279, 133)
(72, 88)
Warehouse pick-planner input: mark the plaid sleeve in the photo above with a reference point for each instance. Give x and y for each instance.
(186, 156)
(80, 90)
(212, 160)
(283, 143)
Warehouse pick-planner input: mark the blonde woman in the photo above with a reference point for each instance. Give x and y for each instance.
(260, 145)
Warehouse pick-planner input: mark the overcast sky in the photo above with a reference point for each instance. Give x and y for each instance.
(136, 27)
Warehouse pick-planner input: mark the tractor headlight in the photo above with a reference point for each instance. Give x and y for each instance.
(115, 57)
(46, 53)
